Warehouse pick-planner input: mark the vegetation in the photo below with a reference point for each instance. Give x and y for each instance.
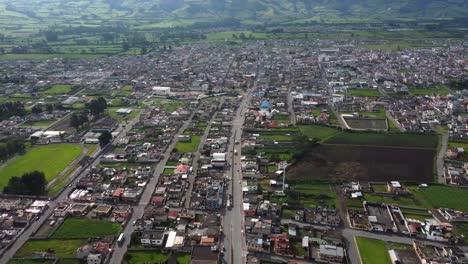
(385, 139)
(444, 196)
(31, 183)
(319, 132)
(97, 106)
(372, 251)
(78, 119)
(134, 257)
(441, 90)
(50, 159)
(72, 228)
(9, 109)
(366, 92)
(59, 89)
(11, 147)
(105, 138)
(61, 248)
(191, 146)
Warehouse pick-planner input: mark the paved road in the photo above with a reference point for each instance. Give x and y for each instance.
(32, 229)
(119, 252)
(233, 220)
(440, 159)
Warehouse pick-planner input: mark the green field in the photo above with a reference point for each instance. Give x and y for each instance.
(50, 159)
(441, 90)
(367, 92)
(49, 56)
(395, 46)
(277, 138)
(319, 132)
(404, 201)
(372, 251)
(311, 195)
(30, 261)
(112, 113)
(137, 257)
(456, 144)
(62, 248)
(191, 146)
(58, 89)
(73, 228)
(444, 196)
(385, 139)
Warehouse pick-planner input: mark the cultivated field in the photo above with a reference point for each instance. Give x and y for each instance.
(366, 123)
(319, 132)
(385, 139)
(348, 163)
(136, 257)
(50, 159)
(72, 228)
(363, 93)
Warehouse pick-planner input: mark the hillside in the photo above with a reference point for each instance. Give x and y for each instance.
(26, 16)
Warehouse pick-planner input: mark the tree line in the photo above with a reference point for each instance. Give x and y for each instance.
(30, 183)
(11, 147)
(10, 109)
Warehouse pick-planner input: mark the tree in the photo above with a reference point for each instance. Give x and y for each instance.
(97, 106)
(49, 108)
(36, 109)
(31, 183)
(105, 138)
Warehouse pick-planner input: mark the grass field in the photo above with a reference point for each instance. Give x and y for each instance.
(49, 56)
(30, 261)
(444, 196)
(395, 46)
(404, 201)
(319, 132)
(363, 93)
(59, 89)
(50, 159)
(311, 195)
(441, 90)
(112, 113)
(191, 146)
(385, 139)
(372, 251)
(137, 257)
(455, 144)
(278, 138)
(62, 248)
(73, 228)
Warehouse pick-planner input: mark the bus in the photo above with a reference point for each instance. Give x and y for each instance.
(121, 239)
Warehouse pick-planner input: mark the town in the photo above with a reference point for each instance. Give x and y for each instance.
(267, 151)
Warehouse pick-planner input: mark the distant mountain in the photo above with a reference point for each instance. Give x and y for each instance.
(163, 13)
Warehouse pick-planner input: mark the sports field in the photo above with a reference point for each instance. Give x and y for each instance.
(50, 159)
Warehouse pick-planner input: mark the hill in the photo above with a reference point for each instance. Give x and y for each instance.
(26, 16)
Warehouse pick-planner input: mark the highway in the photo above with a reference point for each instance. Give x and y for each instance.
(32, 229)
(233, 220)
(119, 251)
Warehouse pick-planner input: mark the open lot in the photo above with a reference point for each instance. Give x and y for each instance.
(311, 195)
(444, 196)
(351, 163)
(372, 251)
(62, 248)
(190, 146)
(50, 159)
(441, 90)
(77, 228)
(385, 139)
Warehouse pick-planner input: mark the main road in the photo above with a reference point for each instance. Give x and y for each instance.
(233, 220)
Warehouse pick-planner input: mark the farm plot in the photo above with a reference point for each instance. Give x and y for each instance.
(72, 228)
(319, 132)
(59, 89)
(366, 123)
(50, 159)
(362, 163)
(385, 139)
(365, 93)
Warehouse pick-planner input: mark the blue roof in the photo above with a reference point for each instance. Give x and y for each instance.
(265, 104)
